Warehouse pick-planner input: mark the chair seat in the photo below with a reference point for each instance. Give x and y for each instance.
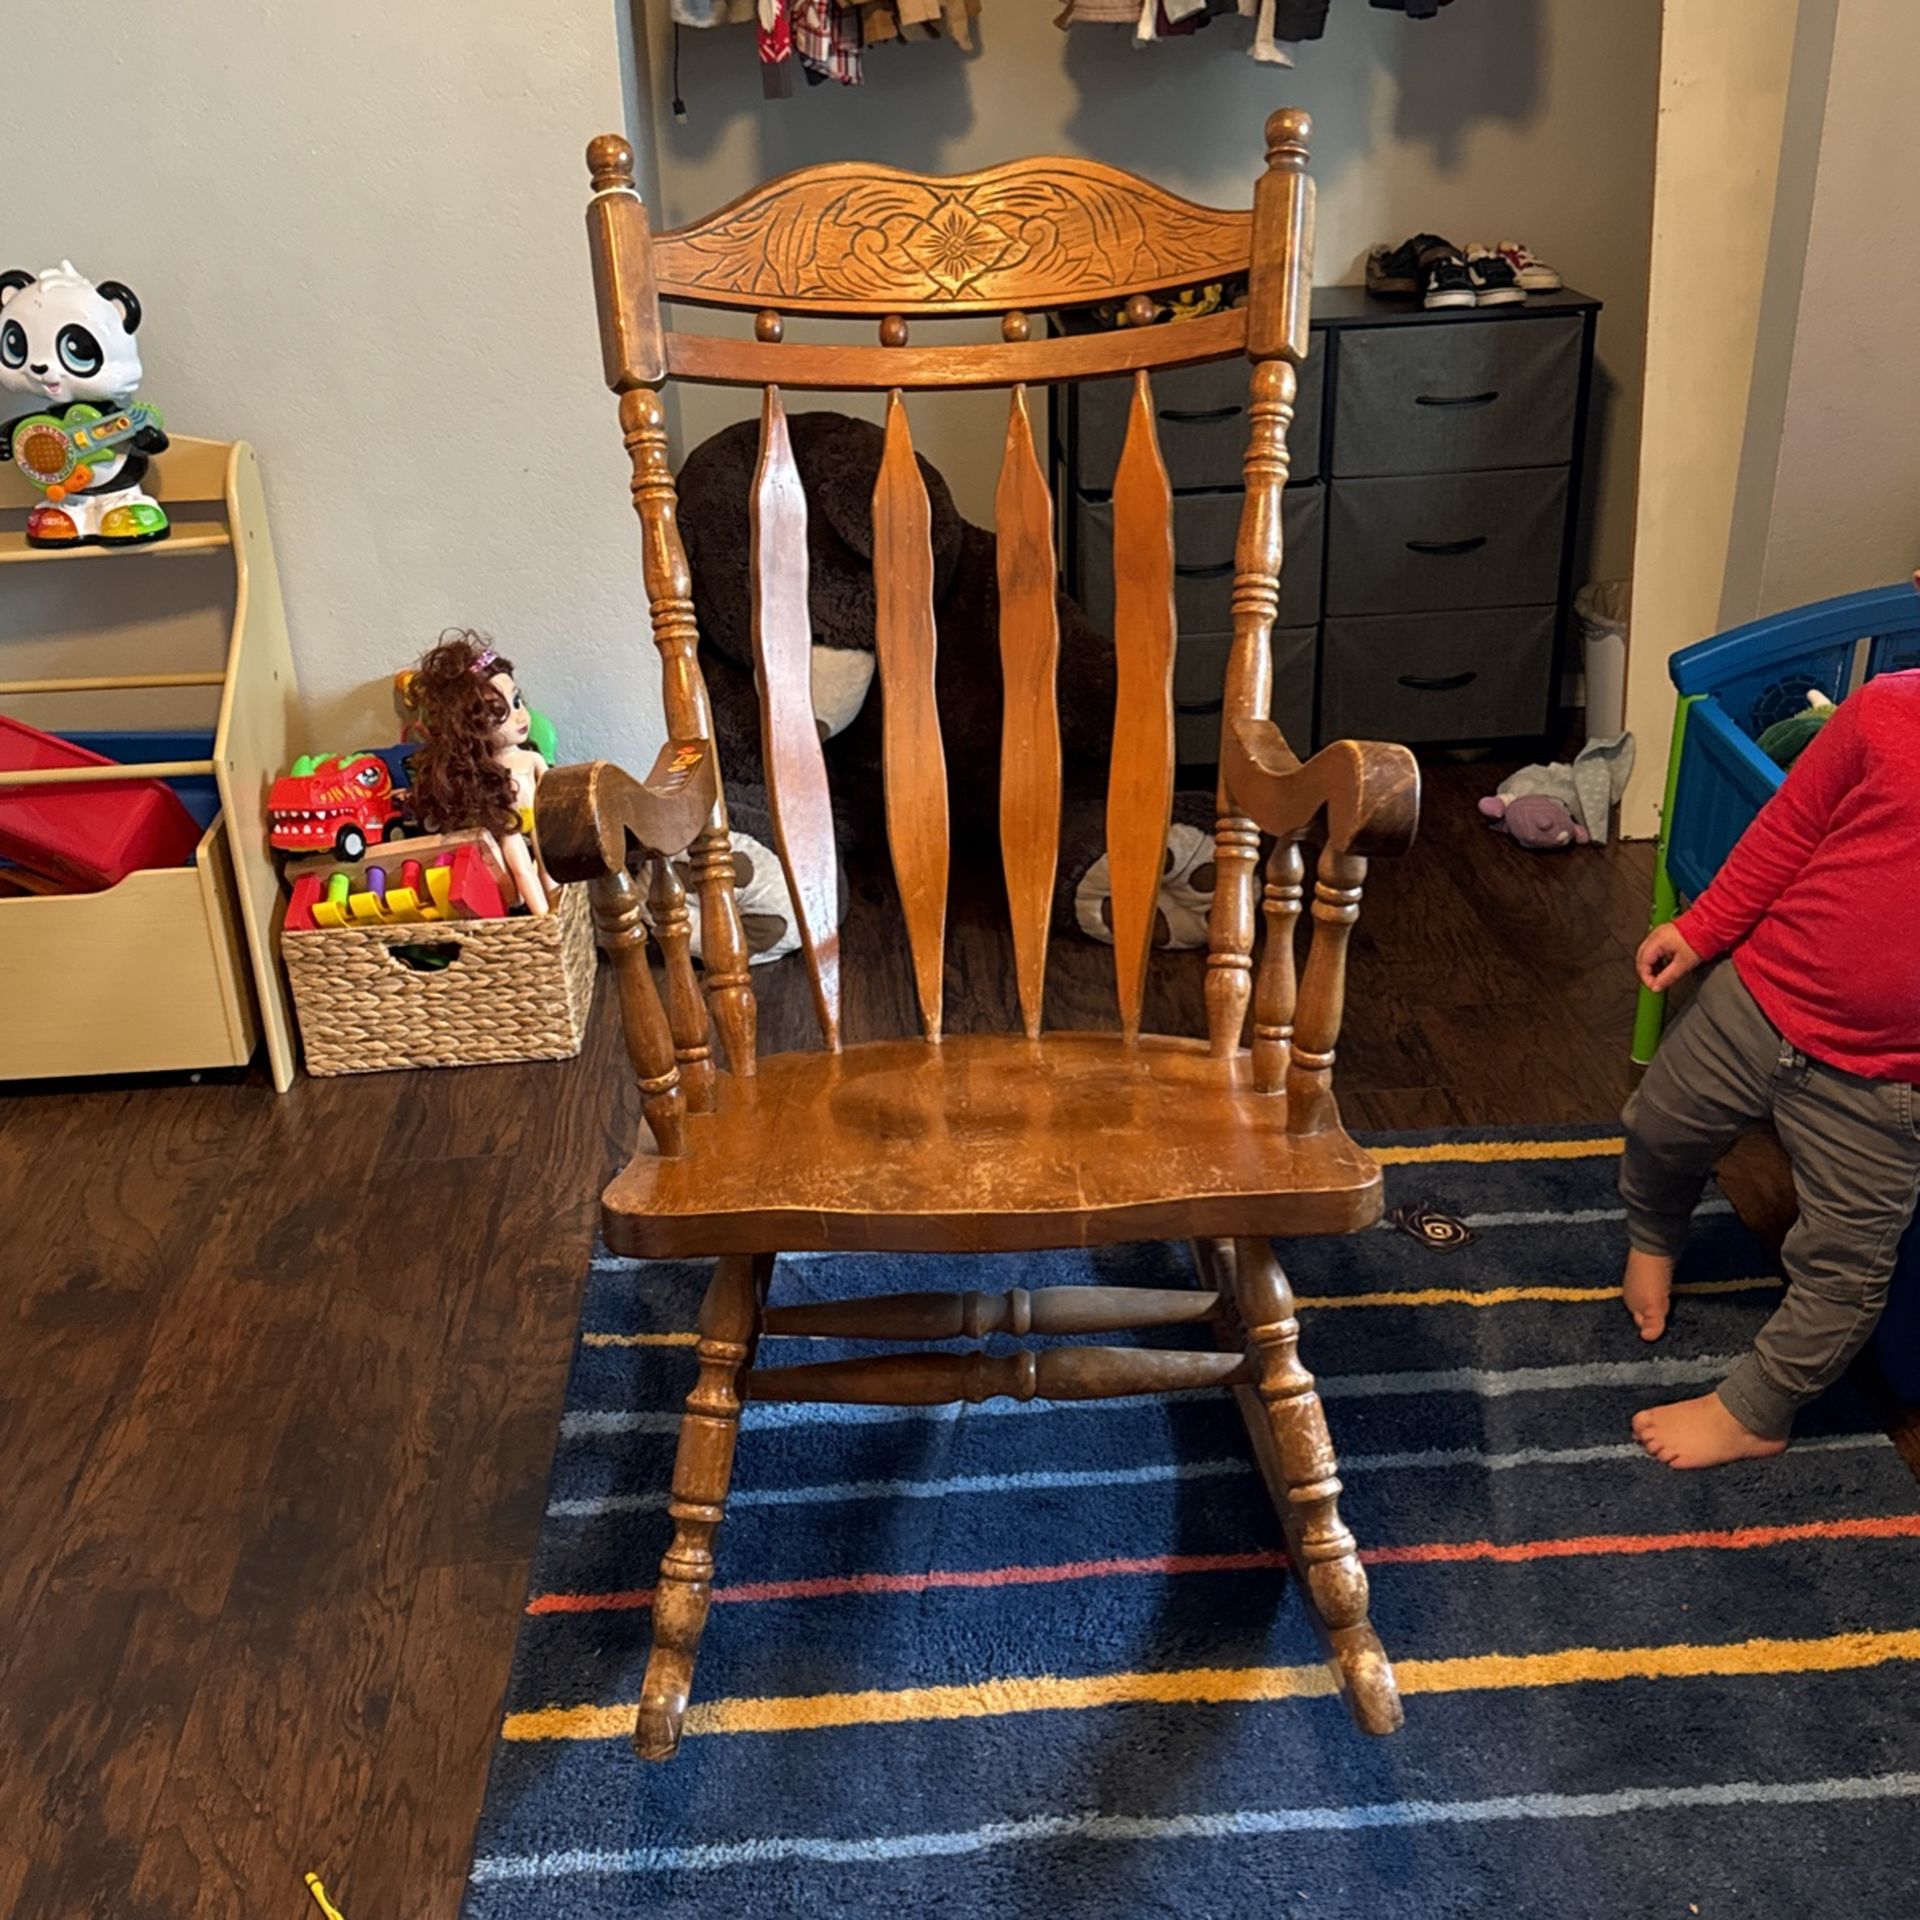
(987, 1142)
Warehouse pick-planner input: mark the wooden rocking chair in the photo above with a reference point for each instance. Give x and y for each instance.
(980, 1141)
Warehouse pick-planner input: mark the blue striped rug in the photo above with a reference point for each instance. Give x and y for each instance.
(1032, 1660)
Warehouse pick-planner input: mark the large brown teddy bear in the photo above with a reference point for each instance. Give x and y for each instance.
(838, 458)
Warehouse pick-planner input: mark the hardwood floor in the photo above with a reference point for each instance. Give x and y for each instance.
(279, 1379)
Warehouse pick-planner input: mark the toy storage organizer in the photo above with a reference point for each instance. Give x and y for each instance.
(1732, 688)
(172, 968)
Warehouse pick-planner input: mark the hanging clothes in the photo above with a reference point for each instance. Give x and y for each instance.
(826, 36)
(1277, 24)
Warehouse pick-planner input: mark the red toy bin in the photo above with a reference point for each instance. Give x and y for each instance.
(90, 833)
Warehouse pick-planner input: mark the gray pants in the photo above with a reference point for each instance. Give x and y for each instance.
(1855, 1149)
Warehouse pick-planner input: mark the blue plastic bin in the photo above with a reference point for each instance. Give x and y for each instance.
(1732, 688)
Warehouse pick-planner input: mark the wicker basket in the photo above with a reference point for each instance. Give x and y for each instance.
(518, 989)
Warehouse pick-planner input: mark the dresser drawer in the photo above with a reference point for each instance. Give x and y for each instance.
(1445, 398)
(1206, 528)
(1451, 676)
(1201, 417)
(1445, 540)
(1199, 691)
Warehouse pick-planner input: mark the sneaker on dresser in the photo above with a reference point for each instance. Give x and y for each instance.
(1445, 279)
(1534, 276)
(1495, 284)
(1394, 272)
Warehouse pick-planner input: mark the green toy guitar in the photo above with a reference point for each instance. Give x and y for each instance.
(57, 455)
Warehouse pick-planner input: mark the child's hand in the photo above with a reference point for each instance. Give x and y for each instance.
(1664, 957)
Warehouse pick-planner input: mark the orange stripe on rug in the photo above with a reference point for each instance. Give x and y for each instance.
(1896, 1526)
(1210, 1686)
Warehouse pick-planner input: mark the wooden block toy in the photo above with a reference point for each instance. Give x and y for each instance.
(460, 885)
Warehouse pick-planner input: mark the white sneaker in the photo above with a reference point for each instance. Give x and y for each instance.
(1533, 275)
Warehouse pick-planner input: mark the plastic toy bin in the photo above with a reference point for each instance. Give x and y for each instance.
(1732, 688)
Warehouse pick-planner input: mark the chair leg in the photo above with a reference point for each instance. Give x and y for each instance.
(702, 1473)
(1288, 1427)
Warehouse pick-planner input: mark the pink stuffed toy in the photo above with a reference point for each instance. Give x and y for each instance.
(1535, 821)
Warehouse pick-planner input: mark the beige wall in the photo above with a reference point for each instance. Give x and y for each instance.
(356, 230)
(1523, 118)
(1843, 506)
(1724, 71)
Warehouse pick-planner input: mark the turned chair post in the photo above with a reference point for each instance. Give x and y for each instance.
(702, 1474)
(634, 353)
(616, 913)
(686, 1010)
(1279, 289)
(1305, 1479)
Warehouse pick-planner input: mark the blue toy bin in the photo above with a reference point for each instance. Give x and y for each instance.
(1732, 688)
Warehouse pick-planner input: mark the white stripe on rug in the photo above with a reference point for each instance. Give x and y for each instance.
(1242, 1823)
(1661, 1371)
(594, 1506)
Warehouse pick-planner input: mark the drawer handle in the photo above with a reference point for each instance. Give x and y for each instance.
(1199, 416)
(1447, 549)
(1455, 399)
(1450, 683)
(1216, 570)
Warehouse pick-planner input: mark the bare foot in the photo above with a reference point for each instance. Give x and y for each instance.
(1648, 1290)
(1700, 1433)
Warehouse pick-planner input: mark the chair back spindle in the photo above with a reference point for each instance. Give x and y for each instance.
(782, 652)
(913, 759)
(1030, 774)
(1140, 778)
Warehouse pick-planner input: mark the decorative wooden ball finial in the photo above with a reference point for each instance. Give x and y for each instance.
(610, 162)
(1289, 134)
(1015, 326)
(893, 331)
(1141, 311)
(768, 327)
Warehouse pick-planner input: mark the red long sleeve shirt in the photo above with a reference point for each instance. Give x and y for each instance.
(1820, 901)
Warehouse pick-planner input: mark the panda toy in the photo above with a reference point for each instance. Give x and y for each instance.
(69, 363)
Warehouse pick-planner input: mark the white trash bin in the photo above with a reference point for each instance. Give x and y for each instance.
(1601, 609)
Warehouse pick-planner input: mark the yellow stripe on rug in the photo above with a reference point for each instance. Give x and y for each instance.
(1041, 1693)
(1489, 1150)
(1506, 1296)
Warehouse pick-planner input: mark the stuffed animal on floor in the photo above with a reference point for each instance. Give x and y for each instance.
(1562, 805)
(838, 458)
(1535, 821)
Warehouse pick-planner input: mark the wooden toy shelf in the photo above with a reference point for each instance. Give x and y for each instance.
(175, 967)
(188, 539)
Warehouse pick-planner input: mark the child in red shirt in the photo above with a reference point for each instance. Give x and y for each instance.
(1815, 1023)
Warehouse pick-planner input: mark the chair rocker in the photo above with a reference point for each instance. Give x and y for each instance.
(980, 1141)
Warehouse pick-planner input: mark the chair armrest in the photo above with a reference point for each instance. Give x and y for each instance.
(1368, 790)
(589, 818)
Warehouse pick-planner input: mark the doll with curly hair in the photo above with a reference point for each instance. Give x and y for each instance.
(474, 767)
